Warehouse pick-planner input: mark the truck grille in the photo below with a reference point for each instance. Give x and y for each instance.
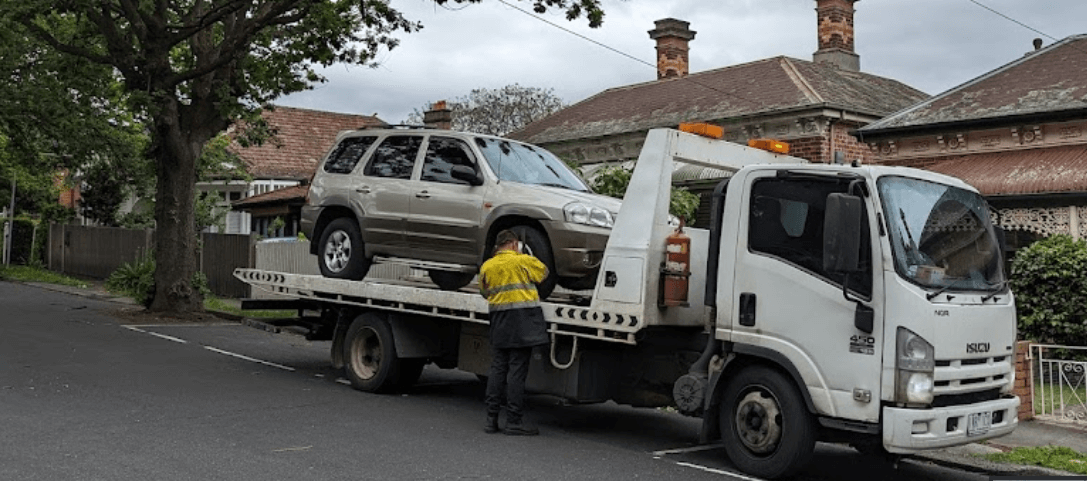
(967, 381)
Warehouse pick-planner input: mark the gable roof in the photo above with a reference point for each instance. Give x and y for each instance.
(755, 88)
(1050, 80)
(302, 137)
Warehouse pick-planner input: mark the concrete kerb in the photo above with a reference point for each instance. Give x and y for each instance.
(969, 458)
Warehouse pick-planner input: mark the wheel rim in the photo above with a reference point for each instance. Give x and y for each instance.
(758, 422)
(337, 251)
(366, 354)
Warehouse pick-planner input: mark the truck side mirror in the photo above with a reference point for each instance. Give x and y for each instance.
(842, 233)
(467, 174)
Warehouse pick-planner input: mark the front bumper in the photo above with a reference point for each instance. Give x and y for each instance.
(578, 248)
(908, 431)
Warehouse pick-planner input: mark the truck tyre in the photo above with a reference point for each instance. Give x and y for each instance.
(765, 425)
(340, 251)
(450, 281)
(370, 355)
(537, 245)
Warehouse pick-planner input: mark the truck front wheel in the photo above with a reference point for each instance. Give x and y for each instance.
(371, 363)
(766, 428)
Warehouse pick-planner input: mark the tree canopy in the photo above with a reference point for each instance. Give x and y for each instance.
(498, 111)
(189, 68)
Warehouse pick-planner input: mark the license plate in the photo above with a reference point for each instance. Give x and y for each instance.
(978, 423)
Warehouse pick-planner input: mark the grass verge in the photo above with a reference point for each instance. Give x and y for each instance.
(220, 305)
(1055, 457)
(33, 274)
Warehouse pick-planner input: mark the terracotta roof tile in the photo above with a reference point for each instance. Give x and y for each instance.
(1034, 171)
(1050, 80)
(773, 84)
(302, 138)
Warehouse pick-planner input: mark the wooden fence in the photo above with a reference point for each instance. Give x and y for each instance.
(95, 252)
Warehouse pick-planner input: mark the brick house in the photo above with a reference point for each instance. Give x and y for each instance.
(1018, 134)
(812, 105)
(281, 168)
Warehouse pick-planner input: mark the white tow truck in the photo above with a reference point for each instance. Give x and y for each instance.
(843, 303)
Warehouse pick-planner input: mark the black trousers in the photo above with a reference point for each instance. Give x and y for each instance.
(506, 384)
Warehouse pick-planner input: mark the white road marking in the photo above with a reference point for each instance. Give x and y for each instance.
(719, 471)
(692, 449)
(250, 359)
(343, 381)
(160, 336)
(212, 349)
(299, 448)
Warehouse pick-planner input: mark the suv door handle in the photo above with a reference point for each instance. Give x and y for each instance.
(422, 195)
(363, 190)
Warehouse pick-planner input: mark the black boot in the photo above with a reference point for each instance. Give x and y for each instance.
(521, 427)
(491, 426)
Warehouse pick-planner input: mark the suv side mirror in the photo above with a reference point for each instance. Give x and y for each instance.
(842, 233)
(467, 174)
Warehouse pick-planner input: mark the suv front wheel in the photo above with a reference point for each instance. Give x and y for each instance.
(538, 246)
(340, 251)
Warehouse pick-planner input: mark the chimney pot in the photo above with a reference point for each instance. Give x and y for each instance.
(673, 37)
(835, 22)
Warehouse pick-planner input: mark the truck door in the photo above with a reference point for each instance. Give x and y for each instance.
(786, 303)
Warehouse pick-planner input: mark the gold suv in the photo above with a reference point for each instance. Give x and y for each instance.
(437, 198)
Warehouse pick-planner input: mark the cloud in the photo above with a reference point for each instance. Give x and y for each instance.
(932, 45)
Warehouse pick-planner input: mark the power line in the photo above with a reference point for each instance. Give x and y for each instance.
(1021, 24)
(620, 52)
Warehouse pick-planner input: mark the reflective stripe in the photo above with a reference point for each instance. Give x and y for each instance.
(514, 305)
(510, 287)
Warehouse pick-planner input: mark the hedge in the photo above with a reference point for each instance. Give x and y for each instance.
(1049, 279)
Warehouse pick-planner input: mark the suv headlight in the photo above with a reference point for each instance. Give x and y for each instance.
(915, 365)
(579, 213)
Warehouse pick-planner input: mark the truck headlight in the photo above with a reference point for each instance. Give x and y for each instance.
(915, 366)
(579, 213)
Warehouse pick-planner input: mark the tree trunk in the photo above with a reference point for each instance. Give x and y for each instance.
(177, 148)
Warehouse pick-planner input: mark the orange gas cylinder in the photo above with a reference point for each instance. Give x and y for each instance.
(677, 268)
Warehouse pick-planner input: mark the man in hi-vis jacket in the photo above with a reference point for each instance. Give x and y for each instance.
(508, 281)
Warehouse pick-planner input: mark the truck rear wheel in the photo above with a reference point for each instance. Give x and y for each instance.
(371, 363)
(765, 425)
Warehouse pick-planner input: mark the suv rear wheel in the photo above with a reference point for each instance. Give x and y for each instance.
(340, 251)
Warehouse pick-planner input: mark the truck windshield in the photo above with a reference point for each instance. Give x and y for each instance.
(941, 236)
(527, 164)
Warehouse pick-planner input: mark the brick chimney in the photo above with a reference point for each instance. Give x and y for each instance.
(439, 116)
(672, 37)
(836, 34)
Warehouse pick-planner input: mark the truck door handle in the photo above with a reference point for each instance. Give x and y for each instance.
(747, 309)
(363, 190)
(422, 195)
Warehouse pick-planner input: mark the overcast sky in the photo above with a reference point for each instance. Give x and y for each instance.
(931, 45)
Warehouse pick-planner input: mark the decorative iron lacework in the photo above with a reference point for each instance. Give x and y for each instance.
(1044, 221)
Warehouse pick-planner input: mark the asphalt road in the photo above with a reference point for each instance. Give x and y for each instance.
(85, 397)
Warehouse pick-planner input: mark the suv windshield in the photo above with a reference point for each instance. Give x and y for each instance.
(527, 164)
(941, 236)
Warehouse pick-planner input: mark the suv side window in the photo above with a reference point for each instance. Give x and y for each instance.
(442, 154)
(395, 157)
(787, 222)
(347, 154)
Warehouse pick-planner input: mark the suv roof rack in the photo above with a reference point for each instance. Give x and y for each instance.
(398, 127)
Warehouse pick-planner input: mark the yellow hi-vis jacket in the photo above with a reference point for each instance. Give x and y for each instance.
(508, 280)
